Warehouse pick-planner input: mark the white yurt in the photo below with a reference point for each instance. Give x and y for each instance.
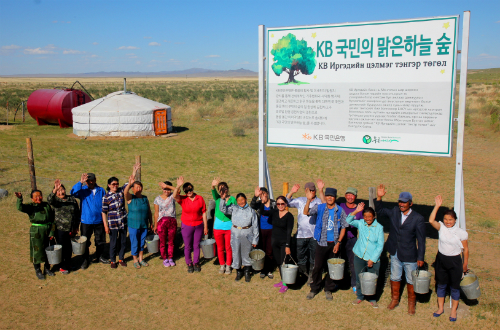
(122, 113)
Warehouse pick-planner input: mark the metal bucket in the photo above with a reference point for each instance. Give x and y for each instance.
(470, 286)
(368, 283)
(421, 281)
(258, 258)
(208, 248)
(336, 268)
(153, 243)
(54, 254)
(78, 245)
(289, 273)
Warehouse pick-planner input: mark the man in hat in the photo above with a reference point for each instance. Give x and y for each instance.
(407, 228)
(351, 232)
(328, 233)
(90, 195)
(305, 229)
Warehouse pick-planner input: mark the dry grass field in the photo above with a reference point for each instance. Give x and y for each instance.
(216, 121)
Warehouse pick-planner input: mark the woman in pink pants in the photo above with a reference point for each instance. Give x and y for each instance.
(166, 224)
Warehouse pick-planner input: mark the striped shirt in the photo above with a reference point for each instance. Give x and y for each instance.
(113, 204)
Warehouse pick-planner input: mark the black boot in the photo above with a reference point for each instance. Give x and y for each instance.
(239, 274)
(38, 272)
(47, 270)
(248, 273)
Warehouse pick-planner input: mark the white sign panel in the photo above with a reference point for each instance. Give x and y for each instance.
(375, 86)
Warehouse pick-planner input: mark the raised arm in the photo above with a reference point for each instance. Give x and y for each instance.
(309, 197)
(432, 218)
(379, 208)
(126, 191)
(321, 193)
(25, 208)
(294, 189)
(77, 188)
(350, 218)
(254, 203)
(180, 182)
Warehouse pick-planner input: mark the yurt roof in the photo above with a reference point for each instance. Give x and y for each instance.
(119, 103)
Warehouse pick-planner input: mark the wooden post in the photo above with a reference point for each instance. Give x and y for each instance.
(31, 163)
(138, 173)
(372, 194)
(285, 189)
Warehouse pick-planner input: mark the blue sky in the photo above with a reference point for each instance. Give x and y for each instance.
(51, 37)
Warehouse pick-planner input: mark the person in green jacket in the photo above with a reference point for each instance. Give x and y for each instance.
(41, 230)
(222, 227)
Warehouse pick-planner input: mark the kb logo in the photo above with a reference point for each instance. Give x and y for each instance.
(367, 139)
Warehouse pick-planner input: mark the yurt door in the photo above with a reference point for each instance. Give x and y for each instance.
(160, 122)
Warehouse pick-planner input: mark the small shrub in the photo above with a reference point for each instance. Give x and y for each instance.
(247, 122)
(205, 111)
(238, 131)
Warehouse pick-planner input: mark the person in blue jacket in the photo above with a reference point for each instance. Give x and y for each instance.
(328, 234)
(90, 196)
(368, 247)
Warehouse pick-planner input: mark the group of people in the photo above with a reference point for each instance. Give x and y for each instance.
(324, 231)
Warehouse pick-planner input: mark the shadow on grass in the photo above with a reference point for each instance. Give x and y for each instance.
(179, 129)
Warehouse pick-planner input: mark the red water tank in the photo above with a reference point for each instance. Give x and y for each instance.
(53, 106)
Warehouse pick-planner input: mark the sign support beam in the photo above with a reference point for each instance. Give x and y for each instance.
(459, 176)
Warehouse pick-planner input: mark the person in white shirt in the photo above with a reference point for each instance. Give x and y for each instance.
(448, 265)
(305, 227)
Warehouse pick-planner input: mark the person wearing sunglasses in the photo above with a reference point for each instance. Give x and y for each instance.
(282, 222)
(114, 217)
(260, 203)
(165, 222)
(194, 222)
(244, 233)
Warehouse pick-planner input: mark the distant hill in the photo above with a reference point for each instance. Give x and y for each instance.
(194, 72)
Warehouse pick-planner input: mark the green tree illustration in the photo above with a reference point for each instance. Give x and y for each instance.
(293, 57)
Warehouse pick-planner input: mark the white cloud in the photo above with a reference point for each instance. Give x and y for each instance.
(138, 62)
(10, 47)
(154, 43)
(49, 49)
(167, 41)
(244, 63)
(95, 43)
(94, 56)
(212, 56)
(72, 52)
(484, 57)
(128, 47)
(194, 61)
(147, 37)
(498, 21)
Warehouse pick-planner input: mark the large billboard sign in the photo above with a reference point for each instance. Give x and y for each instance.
(385, 86)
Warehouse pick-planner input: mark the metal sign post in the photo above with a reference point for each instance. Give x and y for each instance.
(459, 176)
(264, 175)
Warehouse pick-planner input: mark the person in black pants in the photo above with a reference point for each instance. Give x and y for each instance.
(282, 222)
(265, 228)
(329, 232)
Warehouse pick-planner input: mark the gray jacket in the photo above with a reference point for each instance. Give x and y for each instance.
(242, 217)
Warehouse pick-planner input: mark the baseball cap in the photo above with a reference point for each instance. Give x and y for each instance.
(352, 190)
(405, 197)
(310, 186)
(331, 192)
(91, 176)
